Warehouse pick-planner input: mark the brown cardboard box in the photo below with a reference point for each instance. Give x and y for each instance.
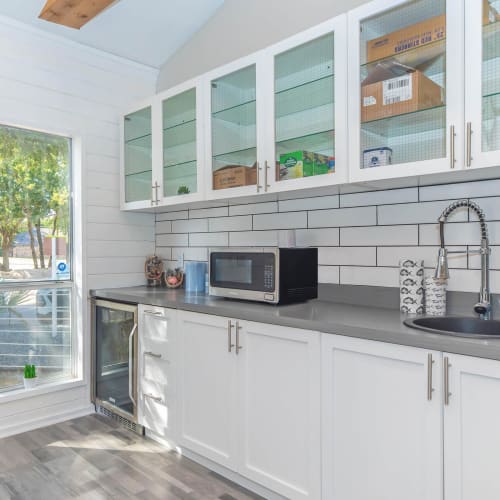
(490, 15)
(234, 176)
(416, 35)
(402, 94)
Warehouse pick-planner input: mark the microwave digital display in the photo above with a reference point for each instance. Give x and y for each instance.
(233, 270)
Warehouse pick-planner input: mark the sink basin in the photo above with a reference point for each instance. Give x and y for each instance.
(460, 326)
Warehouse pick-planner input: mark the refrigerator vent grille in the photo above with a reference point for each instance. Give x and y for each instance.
(124, 422)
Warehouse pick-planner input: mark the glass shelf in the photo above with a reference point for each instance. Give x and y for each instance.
(140, 141)
(137, 124)
(240, 157)
(321, 142)
(179, 164)
(304, 97)
(241, 114)
(173, 127)
(180, 134)
(491, 41)
(138, 186)
(179, 109)
(182, 174)
(415, 122)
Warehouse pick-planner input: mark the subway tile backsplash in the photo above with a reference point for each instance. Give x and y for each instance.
(360, 236)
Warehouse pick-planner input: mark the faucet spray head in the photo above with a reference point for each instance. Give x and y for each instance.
(441, 272)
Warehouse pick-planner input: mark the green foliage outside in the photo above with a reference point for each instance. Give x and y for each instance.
(33, 189)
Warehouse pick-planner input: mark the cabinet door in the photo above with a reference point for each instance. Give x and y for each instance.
(235, 131)
(381, 434)
(207, 387)
(482, 80)
(406, 88)
(157, 368)
(279, 408)
(307, 108)
(471, 431)
(183, 153)
(137, 177)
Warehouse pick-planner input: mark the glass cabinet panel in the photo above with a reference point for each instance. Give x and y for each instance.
(305, 110)
(137, 155)
(491, 76)
(179, 144)
(403, 84)
(234, 134)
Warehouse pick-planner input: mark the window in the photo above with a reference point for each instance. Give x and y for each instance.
(35, 256)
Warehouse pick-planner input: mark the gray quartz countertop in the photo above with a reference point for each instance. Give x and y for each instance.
(366, 322)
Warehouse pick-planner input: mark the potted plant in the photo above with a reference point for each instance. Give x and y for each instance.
(29, 376)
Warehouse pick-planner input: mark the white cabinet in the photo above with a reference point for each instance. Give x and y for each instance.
(250, 400)
(157, 369)
(471, 431)
(381, 421)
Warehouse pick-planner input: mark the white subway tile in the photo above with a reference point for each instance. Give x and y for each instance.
(464, 280)
(460, 233)
(163, 227)
(390, 256)
(340, 217)
(328, 274)
(183, 214)
(165, 253)
(253, 239)
(475, 189)
(379, 236)
(288, 220)
(191, 253)
(371, 276)
(317, 237)
(254, 208)
(314, 203)
(475, 260)
(208, 212)
(208, 240)
(490, 207)
(190, 226)
(417, 213)
(236, 223)
(347, 256)
(379, 197)
(172, 240)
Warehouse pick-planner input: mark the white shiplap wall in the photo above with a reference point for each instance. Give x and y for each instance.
(50, 84)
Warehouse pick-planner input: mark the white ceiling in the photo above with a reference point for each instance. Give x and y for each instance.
(145, 31)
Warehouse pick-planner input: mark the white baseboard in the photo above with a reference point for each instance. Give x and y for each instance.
(25, 426)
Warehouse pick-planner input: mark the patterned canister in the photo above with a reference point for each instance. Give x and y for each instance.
(411, 285)
(435, 296)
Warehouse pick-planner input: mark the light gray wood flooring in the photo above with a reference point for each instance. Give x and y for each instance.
(93, 458)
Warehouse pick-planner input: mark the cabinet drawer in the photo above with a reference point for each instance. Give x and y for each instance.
(156, 408)
(157, 323)
(156, 349)
(157, 374)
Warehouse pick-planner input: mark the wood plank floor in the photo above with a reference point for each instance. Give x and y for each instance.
(93, 458)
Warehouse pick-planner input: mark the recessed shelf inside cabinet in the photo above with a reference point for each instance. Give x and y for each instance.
(179, 135)
(187, 122)
(408, 123)
(241, 114)
(319, 142)
(241, 157)
(138, 173)
(142, 141)
(179, 164)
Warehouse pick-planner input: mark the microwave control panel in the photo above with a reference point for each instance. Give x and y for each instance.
(269, 276)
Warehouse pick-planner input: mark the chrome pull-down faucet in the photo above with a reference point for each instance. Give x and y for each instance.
(483, 307)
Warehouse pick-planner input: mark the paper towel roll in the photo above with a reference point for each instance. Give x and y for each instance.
(435, 296)
(411, 286)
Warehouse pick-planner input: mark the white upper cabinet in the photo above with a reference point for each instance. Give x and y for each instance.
(183, 155)
(482, 80)
(405, 88)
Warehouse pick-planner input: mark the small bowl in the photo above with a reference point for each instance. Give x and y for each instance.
(177, 285)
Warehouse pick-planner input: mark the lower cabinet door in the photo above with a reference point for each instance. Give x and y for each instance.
(471, 429)
(279, 411)
(207, 387)
(381, 421)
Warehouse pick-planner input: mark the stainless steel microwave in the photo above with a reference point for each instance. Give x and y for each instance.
(276, 275)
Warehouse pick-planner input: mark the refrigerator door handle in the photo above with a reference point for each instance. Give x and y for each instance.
(131, 365)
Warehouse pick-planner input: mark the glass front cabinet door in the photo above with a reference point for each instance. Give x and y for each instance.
(405, 84)
(307, 114)
(137, 160)
(182, 145)
(482, 80)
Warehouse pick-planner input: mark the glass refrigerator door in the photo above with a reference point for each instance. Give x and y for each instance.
(114, 362)
(403, 85)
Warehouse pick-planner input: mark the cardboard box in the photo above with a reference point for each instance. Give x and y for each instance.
(302, 164)
(234, 176)
(377, 157)
(490, 14)
(321, 164)
(399, 95)
(411, 37)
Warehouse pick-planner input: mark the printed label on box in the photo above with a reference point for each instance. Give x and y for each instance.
(369, 101)
(397, 89)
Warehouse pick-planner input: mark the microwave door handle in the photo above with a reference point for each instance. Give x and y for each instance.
(131, 365)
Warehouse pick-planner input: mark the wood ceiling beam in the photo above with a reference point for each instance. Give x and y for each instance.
(73, 13)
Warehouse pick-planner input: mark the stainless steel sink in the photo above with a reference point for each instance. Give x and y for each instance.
(459, 326)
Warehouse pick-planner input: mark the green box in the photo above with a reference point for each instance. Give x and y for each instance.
(320, 164)
(297, 164)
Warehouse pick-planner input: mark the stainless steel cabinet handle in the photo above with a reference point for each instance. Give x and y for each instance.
(469, 144)
(155, 313)
(152, 354)
(238, 346)
(229, 328)
(153, 200)
(158, 399)
(131, 364)
(259, 187)
(452, 146)
(447, 392)
(430, 390)
(266, 185)
(155, 187)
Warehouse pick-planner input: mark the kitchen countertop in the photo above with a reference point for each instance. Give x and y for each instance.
(360, 321)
